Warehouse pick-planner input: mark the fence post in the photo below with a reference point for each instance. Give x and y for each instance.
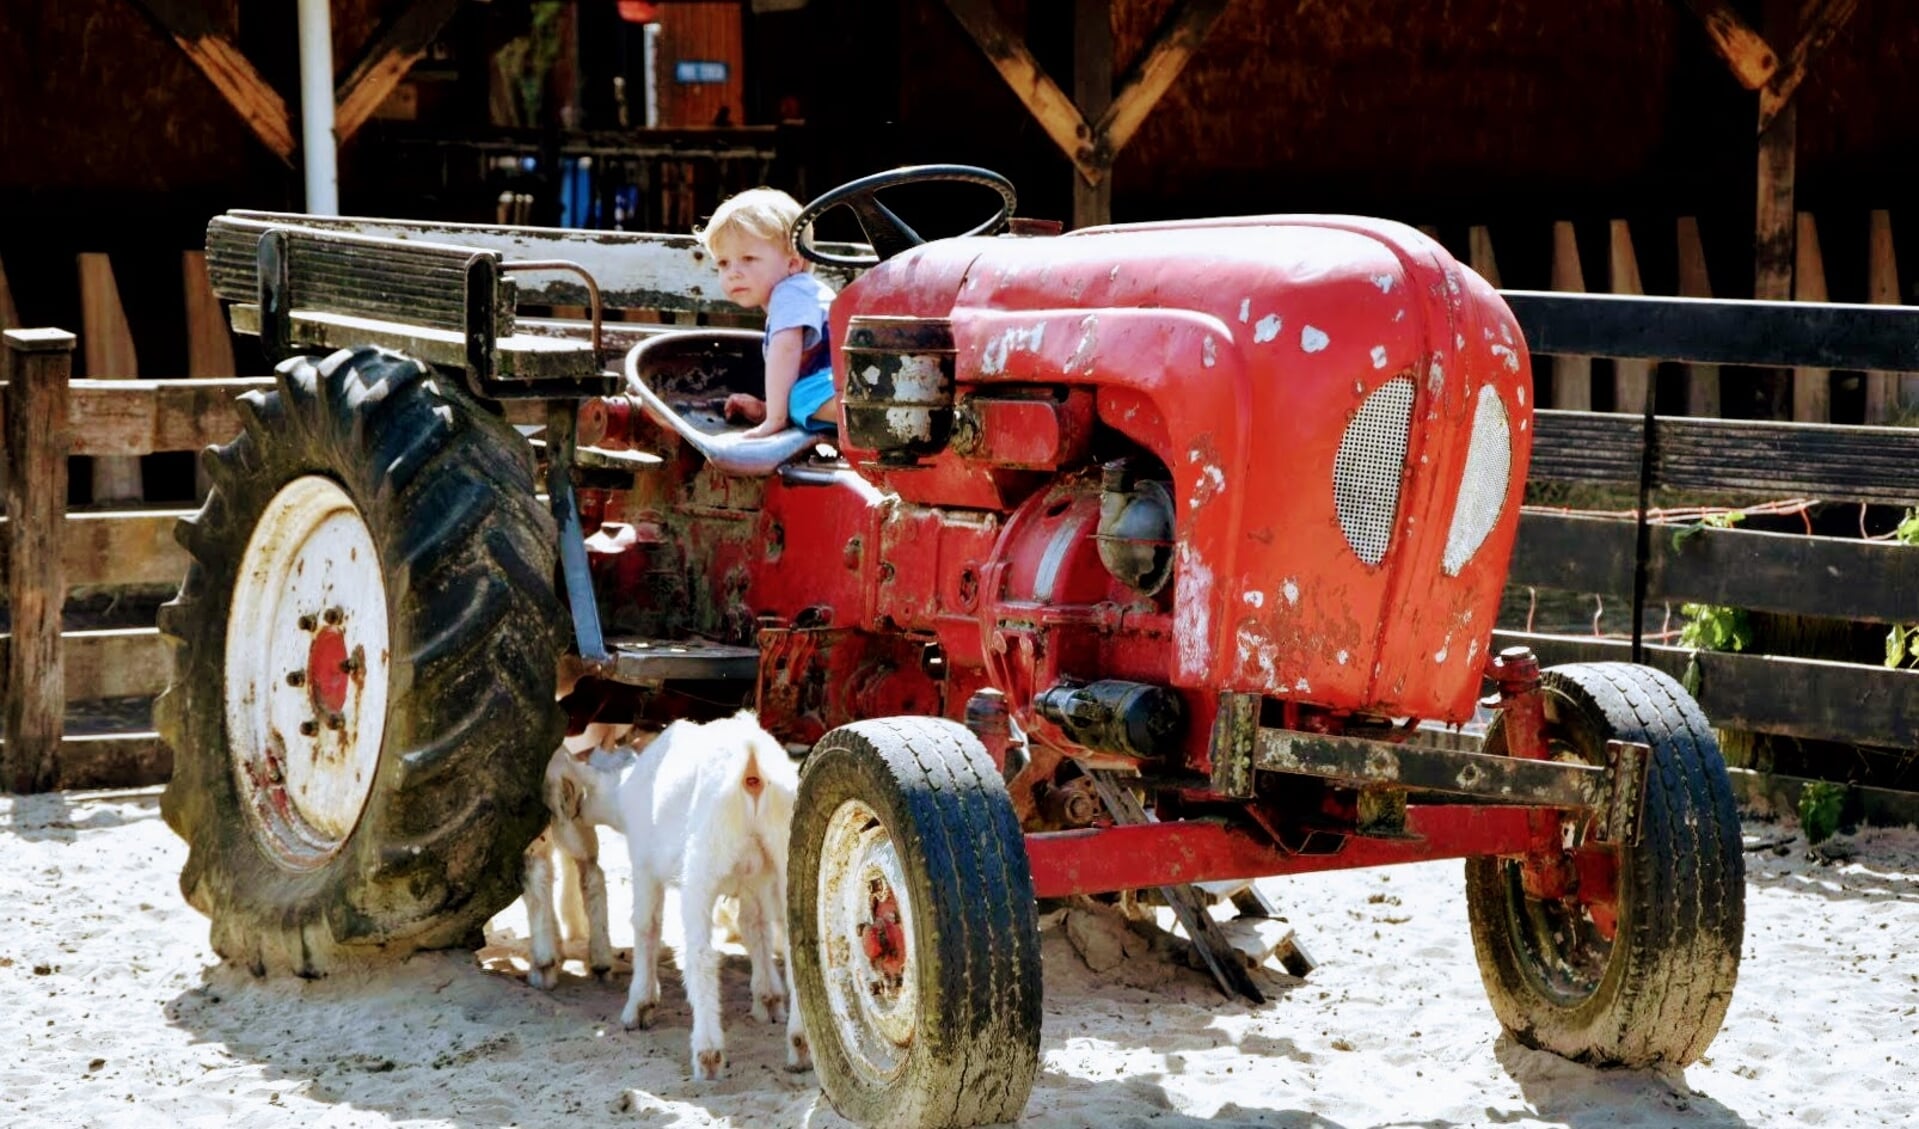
(38, 363)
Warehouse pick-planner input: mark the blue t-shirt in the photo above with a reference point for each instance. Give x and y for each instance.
(800, 301)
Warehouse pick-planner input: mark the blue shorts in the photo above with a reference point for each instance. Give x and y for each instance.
(811, 393)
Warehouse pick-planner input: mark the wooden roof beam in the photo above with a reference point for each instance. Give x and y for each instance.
(250, 95)
(1819, 21)
(1746, 52)
(1178, 36)
(386, 60)
(1043, 98)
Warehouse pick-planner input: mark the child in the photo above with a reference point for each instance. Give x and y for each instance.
(750, 240)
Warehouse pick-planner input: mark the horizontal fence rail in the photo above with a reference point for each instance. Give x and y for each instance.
(1719, 331)
(1834, 462)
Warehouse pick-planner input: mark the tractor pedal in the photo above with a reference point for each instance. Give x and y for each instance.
(1189, 903)
(649, 662)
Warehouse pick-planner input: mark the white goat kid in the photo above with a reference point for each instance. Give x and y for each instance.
(708, 809)
(582, 778)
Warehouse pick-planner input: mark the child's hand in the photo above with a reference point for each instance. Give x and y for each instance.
(742, 408)
(763, 429)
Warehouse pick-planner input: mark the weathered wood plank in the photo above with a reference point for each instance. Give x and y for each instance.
(1572, 373)
(386, 59)
(1839, 578)
(1702, 380)
(1751, 458)
(1808, 698)
(1631, 378)
(1035, 89)
(37, 362)
(108, 342)
(209, 344)
(1479, 254)
(139, 417)
(1179, 34)
(1887, 393)
(116, 548)
(1811, 387)
(250, 95)
(1093, 93)
(9, 314)
(1718, 331)
(636, 270)
(110, 760)
(1819, 21)
(1751, 59)
(125, 662)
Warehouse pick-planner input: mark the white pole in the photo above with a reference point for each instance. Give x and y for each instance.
(316, 107)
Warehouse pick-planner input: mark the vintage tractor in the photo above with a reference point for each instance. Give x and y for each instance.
(1142, 553)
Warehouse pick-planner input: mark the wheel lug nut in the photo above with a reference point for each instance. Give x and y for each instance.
(333, 616)
(308, 623)
(296, 678)
(309, 729)
(335, 721)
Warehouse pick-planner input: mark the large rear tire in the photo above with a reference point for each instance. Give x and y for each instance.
(1648, 980)
(914, 932)
(364, 664)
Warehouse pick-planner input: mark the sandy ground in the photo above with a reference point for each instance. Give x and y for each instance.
(116, 1015)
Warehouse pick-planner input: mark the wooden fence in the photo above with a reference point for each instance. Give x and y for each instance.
(49, 551)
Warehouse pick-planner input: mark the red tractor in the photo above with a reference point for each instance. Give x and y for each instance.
(1142, 553)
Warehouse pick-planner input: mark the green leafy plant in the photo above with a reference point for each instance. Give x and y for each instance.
(1902, 642)
(1820, 802)
(1712, 627)
(1710, 521)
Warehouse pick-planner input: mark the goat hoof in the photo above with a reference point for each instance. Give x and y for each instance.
(637, 1017)
(601, 972)
(544, 977)
(770, 1008)
(707, 1065)
(798, 1056)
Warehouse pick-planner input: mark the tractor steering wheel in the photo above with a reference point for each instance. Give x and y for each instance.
(888, 233)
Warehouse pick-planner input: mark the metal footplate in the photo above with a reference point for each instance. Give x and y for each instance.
(650, 662)
(1189, 903)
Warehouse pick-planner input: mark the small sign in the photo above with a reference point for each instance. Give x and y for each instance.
(699, 71)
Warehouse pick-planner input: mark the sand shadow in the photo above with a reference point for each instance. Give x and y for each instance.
(372, 1039)
(1586, 1097)
(50, 816)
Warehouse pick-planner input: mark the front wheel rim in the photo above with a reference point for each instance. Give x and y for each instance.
(307, 673)
(866, 946)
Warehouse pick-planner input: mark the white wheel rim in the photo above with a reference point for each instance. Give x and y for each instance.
(873, 996)
(307, 671)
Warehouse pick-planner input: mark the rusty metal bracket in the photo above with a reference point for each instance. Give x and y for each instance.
(1235, 732)
(1629, 770)
(1190, 903)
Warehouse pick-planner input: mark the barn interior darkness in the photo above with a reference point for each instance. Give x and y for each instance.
(1506, 113)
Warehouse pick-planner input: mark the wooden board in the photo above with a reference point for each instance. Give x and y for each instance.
(1572, 375)
(1886, 392)
(1702, 380)
(127, 662)
(110, 760)
(1811, 387)
(1808, 698)
(1751, 59)
(1758, 459)
(1631, 378)
(209, 343)
(1871, 581)
(117, 548)
(37, 362)
(108, 342)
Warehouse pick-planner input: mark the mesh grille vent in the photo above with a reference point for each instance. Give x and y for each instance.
(1482, 492)
(1366, 471)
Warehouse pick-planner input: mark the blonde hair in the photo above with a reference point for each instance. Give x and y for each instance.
(763, 213)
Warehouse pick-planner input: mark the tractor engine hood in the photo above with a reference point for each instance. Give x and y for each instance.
(1341, 409)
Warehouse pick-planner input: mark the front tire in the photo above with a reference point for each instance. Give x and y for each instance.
(1649, 979)
(364, 666)
(914, 932)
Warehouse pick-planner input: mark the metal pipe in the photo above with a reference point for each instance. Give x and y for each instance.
(316, 108)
